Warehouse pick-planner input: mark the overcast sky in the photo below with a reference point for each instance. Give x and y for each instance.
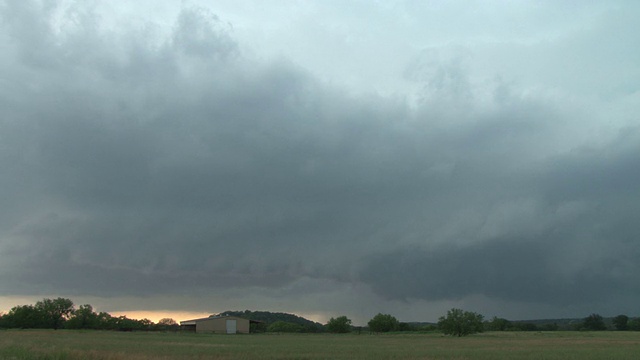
(323, 158)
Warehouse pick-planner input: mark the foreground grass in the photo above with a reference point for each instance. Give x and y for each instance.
(46, 344)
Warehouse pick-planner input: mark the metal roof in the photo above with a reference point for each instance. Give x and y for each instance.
(194, 321)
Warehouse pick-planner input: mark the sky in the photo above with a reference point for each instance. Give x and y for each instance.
(323, 158)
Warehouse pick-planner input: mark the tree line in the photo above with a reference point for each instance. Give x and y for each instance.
(61, 313)
(593, 322)
(458, 322)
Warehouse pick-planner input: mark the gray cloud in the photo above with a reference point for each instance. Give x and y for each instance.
(138, 163)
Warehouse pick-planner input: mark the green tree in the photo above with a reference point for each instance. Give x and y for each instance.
(123, 323)
(106, 321)
(54, 312)
(460, 323)
(383, 323)
(257, 327)
(23, 317)
(341, 324)
(83, 318)
(594, 322)
(621, 322)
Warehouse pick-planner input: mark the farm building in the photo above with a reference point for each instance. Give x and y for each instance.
(218, 325)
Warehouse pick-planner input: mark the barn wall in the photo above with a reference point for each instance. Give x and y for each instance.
(219, 325)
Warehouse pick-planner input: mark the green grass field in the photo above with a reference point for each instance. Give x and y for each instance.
(61, 344)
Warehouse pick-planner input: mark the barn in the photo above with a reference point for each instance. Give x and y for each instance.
(218, 325)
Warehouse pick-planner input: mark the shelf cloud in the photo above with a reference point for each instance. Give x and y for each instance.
(186, 155)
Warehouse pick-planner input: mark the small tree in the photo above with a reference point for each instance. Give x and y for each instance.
(594, 322)
(383, 323)
(341, 324)
(460, 323)
(621, 322)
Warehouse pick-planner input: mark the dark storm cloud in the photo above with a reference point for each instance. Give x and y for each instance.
(170, 163)
(580, 249)
(517, 270)
(136, 163)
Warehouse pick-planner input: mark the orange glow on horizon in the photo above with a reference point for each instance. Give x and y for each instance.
(178, 316)
(8, 302)
(155, 316)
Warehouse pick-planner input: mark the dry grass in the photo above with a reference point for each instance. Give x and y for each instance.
(45, 344)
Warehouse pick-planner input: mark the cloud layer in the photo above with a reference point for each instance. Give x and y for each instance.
(140, 163)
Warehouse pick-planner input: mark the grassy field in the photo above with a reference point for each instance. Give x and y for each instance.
(49, 344)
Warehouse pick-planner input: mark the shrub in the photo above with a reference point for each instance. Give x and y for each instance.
(383, 323)
(460, 323)
(341, 324)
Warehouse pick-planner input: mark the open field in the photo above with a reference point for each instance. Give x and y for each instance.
(49, 344)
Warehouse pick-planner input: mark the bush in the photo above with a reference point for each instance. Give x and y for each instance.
(594, 322)
(341, 324)
(383, 323)
(460, 323)
(621, 322)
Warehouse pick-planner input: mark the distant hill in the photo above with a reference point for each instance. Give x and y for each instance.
(269, 318)
(546, 324)
(420, 324)
(537, 324)
(550, 321)
(564, 324)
